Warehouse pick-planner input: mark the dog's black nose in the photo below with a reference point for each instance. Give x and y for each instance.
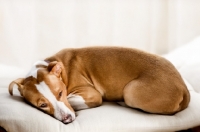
(67, 119)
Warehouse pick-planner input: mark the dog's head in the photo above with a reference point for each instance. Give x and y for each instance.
(44, 89)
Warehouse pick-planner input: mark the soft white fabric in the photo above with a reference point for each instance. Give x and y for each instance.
(187, 61)
(17, 116)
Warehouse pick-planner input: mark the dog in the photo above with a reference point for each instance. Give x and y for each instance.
(76, 79)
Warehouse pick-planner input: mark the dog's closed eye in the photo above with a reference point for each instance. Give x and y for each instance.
(60, 93)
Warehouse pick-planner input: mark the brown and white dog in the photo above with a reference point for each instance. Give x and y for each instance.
(75, 79)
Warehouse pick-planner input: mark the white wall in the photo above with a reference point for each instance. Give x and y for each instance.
(34, 29)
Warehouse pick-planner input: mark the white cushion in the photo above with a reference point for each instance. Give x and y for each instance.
(16, 115)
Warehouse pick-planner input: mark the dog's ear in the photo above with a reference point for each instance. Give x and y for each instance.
(55, 68)
(18, 82)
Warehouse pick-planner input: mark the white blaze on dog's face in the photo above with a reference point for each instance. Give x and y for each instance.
(46, 91)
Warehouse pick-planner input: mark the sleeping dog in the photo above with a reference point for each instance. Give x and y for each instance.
(75, 79)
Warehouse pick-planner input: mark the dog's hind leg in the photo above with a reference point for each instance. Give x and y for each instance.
(152, 97)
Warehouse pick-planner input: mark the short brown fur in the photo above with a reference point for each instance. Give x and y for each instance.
(143, 80)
